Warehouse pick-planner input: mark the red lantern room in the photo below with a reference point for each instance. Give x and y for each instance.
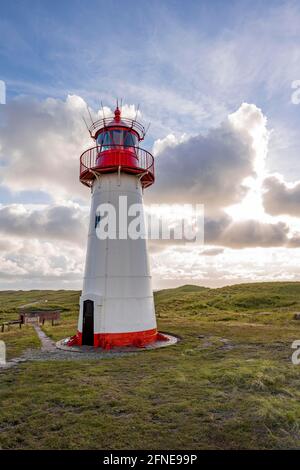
(117, 150)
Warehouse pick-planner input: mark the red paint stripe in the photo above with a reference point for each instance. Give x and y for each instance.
(111, 340)
(75, 340)
(137, 338)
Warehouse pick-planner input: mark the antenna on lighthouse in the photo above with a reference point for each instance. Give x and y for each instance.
(102, 110)
(99, 104)
(137, 110)
(90, 114)
(85, 124)
(147, 128)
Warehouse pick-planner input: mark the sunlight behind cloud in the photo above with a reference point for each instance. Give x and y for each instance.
(250, 119)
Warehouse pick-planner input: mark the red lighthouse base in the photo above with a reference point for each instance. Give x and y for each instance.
(111, 340)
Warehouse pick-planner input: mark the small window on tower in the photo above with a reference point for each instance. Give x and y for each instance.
(97, 220)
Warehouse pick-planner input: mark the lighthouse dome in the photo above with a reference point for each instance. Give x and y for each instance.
(117, 122)
(117, 150)
(117, 132)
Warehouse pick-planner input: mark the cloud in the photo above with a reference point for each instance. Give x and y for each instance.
(294, 241)
(170, 141)
(281, 197)
(214, 227)
(67, 223)
(173, 267)
(252, 233)
(212, 251)
(6, 245)
(39, 263)
(40, 145)
(224, 231)
(211, 168)
(41, 142)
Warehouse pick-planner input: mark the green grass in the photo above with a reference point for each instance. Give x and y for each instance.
(11, 301)
(229, 384)
(18, 340)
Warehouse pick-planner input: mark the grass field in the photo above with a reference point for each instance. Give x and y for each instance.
(229, 383)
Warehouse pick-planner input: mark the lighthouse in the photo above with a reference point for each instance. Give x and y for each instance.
(116, 304)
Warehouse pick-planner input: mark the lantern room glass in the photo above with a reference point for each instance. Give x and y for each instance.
(117, 137)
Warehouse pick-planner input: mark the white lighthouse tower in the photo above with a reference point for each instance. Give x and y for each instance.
(116, 305)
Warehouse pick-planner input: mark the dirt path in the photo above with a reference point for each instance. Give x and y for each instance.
(46, 342)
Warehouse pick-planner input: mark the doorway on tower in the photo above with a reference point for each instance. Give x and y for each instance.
(88, 323)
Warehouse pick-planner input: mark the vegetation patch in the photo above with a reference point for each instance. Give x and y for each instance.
(229, 384)
(18, 340)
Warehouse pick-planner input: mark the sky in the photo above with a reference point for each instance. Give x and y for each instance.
(218, 82)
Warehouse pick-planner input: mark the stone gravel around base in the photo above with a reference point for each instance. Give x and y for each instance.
(91, 351)
(51, 351)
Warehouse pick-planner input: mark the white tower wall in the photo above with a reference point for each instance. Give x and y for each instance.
(117, 273)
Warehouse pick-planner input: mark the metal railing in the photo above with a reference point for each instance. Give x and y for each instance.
(109, 121)
(90, 160)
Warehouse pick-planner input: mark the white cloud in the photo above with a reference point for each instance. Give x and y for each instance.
(40, 146)
(67, 223)
(36, 263)
(41, 143)
(250, 118)
(212, 169)
(174, 267)
(170, 141)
